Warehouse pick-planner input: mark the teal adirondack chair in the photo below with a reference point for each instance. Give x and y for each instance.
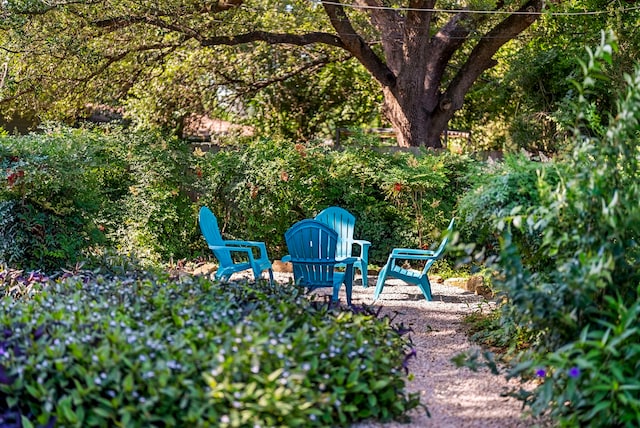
(223, 249)
(312, 252)
(420, 278)
(343, 222)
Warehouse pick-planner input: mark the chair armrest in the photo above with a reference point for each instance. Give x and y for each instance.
(364, 247)
(412, 254)
(244, 243)
(232, 248)
(346, 261)
(255, 244)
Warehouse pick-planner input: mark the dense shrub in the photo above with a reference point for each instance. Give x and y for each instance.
(592, 381)
(260, 189)
(589, 224)
(157, 215)
(50, 198)
(69, 194)
(500, 192)
(72, 195)
(581, 308)
(152, 351)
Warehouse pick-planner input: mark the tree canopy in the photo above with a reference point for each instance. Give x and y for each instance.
(170, 58)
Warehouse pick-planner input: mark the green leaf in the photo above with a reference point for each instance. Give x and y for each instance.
(26, 423)
(65, 411)
(103, 412)
(127, 383)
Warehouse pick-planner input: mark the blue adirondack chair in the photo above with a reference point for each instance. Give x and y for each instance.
(223, 249)
(312, 252)
(420, 278)
(343, 222)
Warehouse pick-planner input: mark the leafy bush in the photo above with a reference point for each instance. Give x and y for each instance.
(582, 307)
(260, 189)
(156, 216)
(67, 195)
(589, 224)
(150, 351)
(49, 198)
(592, 381)
(500, 191)
(73, 195)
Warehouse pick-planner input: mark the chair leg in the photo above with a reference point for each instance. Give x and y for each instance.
(425, 287)
(220, 277)
(348, 282)
(382, 276)
(364, 271)
(336, 291)
(257, 274)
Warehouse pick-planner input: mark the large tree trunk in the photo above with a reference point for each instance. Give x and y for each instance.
(418, 119)
(417, 100)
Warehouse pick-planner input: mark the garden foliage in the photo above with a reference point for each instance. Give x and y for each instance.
(72, 195)
(50, 198)
(260, 189)
(574, 287)
(588, 224)
(500, 191)
(149, 350)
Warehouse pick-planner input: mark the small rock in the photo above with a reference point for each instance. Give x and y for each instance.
(476, 284)
(484, 291)
(456, 282)
(279, 266)
(436, 279)
(205, 269)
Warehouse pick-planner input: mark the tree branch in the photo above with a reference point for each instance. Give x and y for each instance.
(122, 22)
(275, 39)
(418, 22)
(416, 47)
(17, 95)
(453, 35)
(481, 58)
(382, 19)
(357, 46)
(391, 24)
(110, 60)
(318, 63)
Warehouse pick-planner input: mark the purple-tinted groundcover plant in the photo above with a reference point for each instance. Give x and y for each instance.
(574, 372)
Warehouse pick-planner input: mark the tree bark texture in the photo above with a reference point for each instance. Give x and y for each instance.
(419, 100)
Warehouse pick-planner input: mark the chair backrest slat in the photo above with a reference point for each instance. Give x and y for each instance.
(312, 247)
(343, 222)
(211, 232)
(442, 245)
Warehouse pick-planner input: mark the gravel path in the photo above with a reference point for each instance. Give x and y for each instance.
(456, 397)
